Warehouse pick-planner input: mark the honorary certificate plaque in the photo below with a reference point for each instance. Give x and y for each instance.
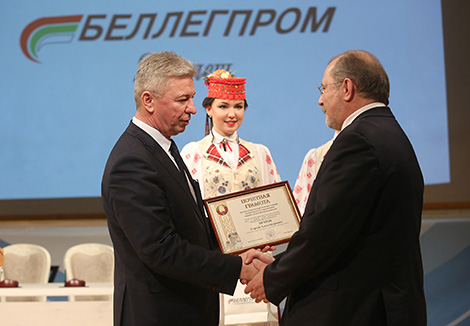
(254, 218)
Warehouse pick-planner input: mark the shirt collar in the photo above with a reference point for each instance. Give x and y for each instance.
(218, 137)
(356, 113)
(154, 133)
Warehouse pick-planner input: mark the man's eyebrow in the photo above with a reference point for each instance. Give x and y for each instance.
(186, 94)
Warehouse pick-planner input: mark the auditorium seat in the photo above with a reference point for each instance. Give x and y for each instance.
(90, 262)
(26, 263)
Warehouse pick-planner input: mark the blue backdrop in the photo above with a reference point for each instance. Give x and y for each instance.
(67, 73)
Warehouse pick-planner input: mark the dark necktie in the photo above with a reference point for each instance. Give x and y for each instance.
(179, 161)
(182, 167)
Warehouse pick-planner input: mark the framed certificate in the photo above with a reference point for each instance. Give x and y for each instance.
(254, 218)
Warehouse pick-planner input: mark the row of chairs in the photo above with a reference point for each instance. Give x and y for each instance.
(31, 263)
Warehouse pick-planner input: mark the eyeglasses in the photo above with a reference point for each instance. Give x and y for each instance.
(322, 88)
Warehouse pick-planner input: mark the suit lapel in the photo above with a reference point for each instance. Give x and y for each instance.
(160, 155)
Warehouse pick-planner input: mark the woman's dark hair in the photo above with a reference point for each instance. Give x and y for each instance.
(209, 100)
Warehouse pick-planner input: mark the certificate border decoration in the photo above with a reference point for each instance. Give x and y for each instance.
(222, 218)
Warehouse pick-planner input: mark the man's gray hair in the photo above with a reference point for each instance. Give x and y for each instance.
(156, 69)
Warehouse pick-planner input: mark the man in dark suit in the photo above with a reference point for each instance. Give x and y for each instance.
(166, 269)
(356, 258)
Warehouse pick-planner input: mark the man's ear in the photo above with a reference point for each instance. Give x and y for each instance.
(349, 90)
(148, 101)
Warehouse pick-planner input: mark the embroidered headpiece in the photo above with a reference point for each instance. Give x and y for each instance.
(224, 85)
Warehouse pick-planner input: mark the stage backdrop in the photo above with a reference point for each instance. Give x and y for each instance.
(67, 73)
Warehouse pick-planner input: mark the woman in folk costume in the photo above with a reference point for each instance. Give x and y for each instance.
(223, 163)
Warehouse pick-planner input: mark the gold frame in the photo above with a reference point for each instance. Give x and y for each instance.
(254, 218)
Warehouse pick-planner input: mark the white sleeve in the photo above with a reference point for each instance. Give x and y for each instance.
(192, 157)
(269, 173)
(305, 179)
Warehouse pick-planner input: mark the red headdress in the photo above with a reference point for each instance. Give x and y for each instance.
(224, 85)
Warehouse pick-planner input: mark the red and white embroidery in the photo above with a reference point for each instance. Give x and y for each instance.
(268, 159)
(213, 155)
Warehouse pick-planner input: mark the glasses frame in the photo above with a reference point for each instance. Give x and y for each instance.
(322, 88)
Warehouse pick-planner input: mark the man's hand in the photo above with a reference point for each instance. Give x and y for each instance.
(258, 260)
(256, 287)
(248, 270)
(268, 248)
(253, 260)
(252, 254)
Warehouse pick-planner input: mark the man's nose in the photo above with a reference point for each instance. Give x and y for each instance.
(191, 107)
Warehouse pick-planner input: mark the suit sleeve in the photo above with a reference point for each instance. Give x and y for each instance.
(341, 197)
(144, 211)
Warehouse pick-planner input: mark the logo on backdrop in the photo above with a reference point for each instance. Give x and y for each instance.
(48, 30)
(198, 23)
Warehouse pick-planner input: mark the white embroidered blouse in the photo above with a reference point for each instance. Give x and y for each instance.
(241, 165)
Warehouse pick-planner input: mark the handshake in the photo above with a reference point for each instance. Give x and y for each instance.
(254, 263)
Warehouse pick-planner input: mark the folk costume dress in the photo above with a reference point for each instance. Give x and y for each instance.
(308, 172)
(242, 165)
(223, 165)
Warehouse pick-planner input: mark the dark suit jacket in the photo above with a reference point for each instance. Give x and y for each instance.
(166, 272)
(356, 258)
